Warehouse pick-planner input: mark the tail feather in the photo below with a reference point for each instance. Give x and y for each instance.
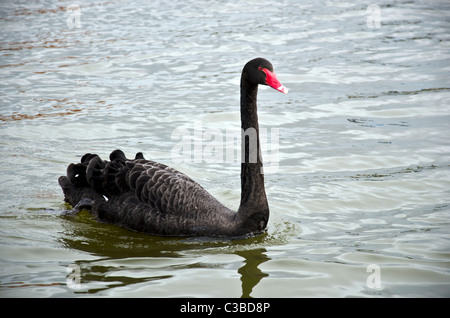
(93, 178)
(117, 155)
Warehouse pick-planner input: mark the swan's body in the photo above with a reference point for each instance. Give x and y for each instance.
(153, 198)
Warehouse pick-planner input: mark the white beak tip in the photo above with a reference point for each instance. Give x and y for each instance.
(283, 89)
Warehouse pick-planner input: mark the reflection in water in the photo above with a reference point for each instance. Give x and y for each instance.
(85, 234)
(251, 275)
(113, 246)
(111, 243)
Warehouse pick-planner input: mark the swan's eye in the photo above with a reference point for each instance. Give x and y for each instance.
(260, 68)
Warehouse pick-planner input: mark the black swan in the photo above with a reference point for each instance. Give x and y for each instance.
(150, 197)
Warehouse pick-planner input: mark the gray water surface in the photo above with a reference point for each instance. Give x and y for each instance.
(358, 178)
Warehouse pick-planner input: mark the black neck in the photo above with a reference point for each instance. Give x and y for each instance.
(253, 195)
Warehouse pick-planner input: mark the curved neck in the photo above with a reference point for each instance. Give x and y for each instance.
(254, 204)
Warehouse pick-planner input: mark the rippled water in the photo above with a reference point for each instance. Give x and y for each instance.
(359, 193)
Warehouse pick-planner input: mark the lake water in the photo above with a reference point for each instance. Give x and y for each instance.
(358, 176)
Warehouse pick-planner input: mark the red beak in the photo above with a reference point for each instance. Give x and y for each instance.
(272, 81)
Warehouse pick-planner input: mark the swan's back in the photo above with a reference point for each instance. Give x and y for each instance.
(145, 196)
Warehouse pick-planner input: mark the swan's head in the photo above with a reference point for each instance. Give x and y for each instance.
(260, 71)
